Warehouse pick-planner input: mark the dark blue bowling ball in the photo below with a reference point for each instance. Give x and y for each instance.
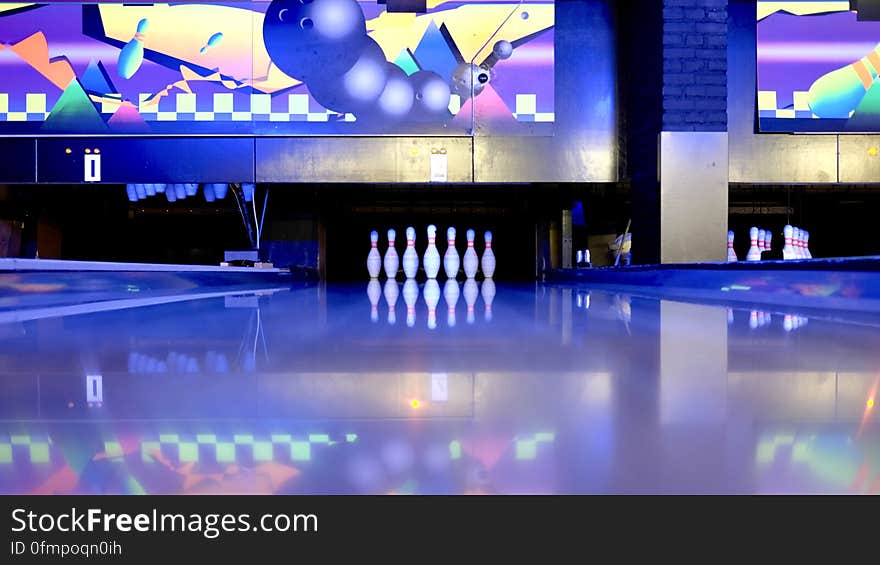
(312, 38)
(431, 96)
(358, 87)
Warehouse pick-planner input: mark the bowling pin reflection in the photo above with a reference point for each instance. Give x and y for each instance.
(432, 298)
(451, 292)
(410, 296)
(392, 291)
(488, 293)
(470, 297)
(374, 291)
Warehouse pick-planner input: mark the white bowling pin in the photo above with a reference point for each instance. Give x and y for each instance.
(787, 322)
(391, 292)
(410, 257)
(451, 260)
(579, 258)
(471, 263)
(799, 243)
(768, 240)
(391, 261)
(487, 262)
(451, 293)
(431, 259)
(753, 319)
(754, 253)
(807, 253)
(432, 298)
(374, 291)
(795, 242)
(410, 296)
(788, 249)
(730, 318)
(488, 292)
(374, 261)
(761, 233)
(731, 254)
(471, 291)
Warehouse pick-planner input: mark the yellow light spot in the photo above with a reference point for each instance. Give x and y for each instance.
(872, 151)
(67, 151)
(97, 150)
(871, 402)
(415, 403)
(88, 150)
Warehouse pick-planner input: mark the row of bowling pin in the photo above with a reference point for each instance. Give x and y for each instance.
(431, 258)
(760, 319)
(796, 244)
(179, 191)
(139, 363)
(451, 292)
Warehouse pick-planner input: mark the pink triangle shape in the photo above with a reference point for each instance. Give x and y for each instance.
(486, 450)
(488, 107)
(128, 118)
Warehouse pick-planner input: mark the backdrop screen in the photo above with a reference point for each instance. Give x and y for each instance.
(817, 66)
(277, 68)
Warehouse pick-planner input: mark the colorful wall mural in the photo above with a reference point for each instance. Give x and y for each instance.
(818, 64)
(299, 67)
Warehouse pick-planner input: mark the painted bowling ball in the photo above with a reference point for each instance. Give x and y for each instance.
(431, 95)
(467, 76)
(502, 49)
(358, 87)
(397, 97)
(312, 38)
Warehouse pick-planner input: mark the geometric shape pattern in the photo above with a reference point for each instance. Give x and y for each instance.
(37, 448)
(221, 107)
(768, 106)
(433, 53)
(227, 449)
(526, 110)
(527, 448)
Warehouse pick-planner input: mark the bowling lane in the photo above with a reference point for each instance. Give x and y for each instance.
(456, 388)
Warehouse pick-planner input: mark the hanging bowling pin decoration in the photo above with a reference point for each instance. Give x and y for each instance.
(754, 253)
(132, 55)
(391, 261)
(432, 298)
(451, 261)
(451, 292)
(410, 257)
(391, 292)
(471, 262)
(487, 262)
(374, 261)
(431, 259)
(731, 254)
(787, 249)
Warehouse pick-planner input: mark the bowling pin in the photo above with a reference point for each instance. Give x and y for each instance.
(151, 189)
(374, 261)
(488, 292)
(132, 55)
(374, 291)
(410, 257)
(761, 233)
(392, 261)
(391, 291)
(471, 262)
(132, 192)
(487, 262)
(410, 296)
(807, 245)
(451, 260)
(587, 260)
(787, 322)
(754, 253)
(788, 249)
(798, 244)
(837, 93)
(731, 254)
(451, 292)
(432, 298)
(730, 318)
(431, 259)
(768, 238)
(753, 319)
(470, 297)
(579, 259)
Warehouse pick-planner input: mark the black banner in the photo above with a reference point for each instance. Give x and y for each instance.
(261, 529)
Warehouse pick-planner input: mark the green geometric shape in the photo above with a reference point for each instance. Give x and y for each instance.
(280, 438)
(765, 452)
(5, 453)
(74, 112)
(406, 62)
(20, 440)
(134, 487)
(40, 453)
(351, 438)
(300, 451)
(206, 438)
(262, 451)
(243, 438)
(784, 439)
(169, 438)
(148, 447)
(545, 436)
(188, 452)
(319, 438)
(455, 449)
(800, 452)
(526, 449)
(225, 452)
(113, 449)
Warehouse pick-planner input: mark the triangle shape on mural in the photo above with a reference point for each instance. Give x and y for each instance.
(74, 112)
(406, 62)
(488, 107)
(434, 54)
(96, 80)
(486, 450)
(127, 118)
